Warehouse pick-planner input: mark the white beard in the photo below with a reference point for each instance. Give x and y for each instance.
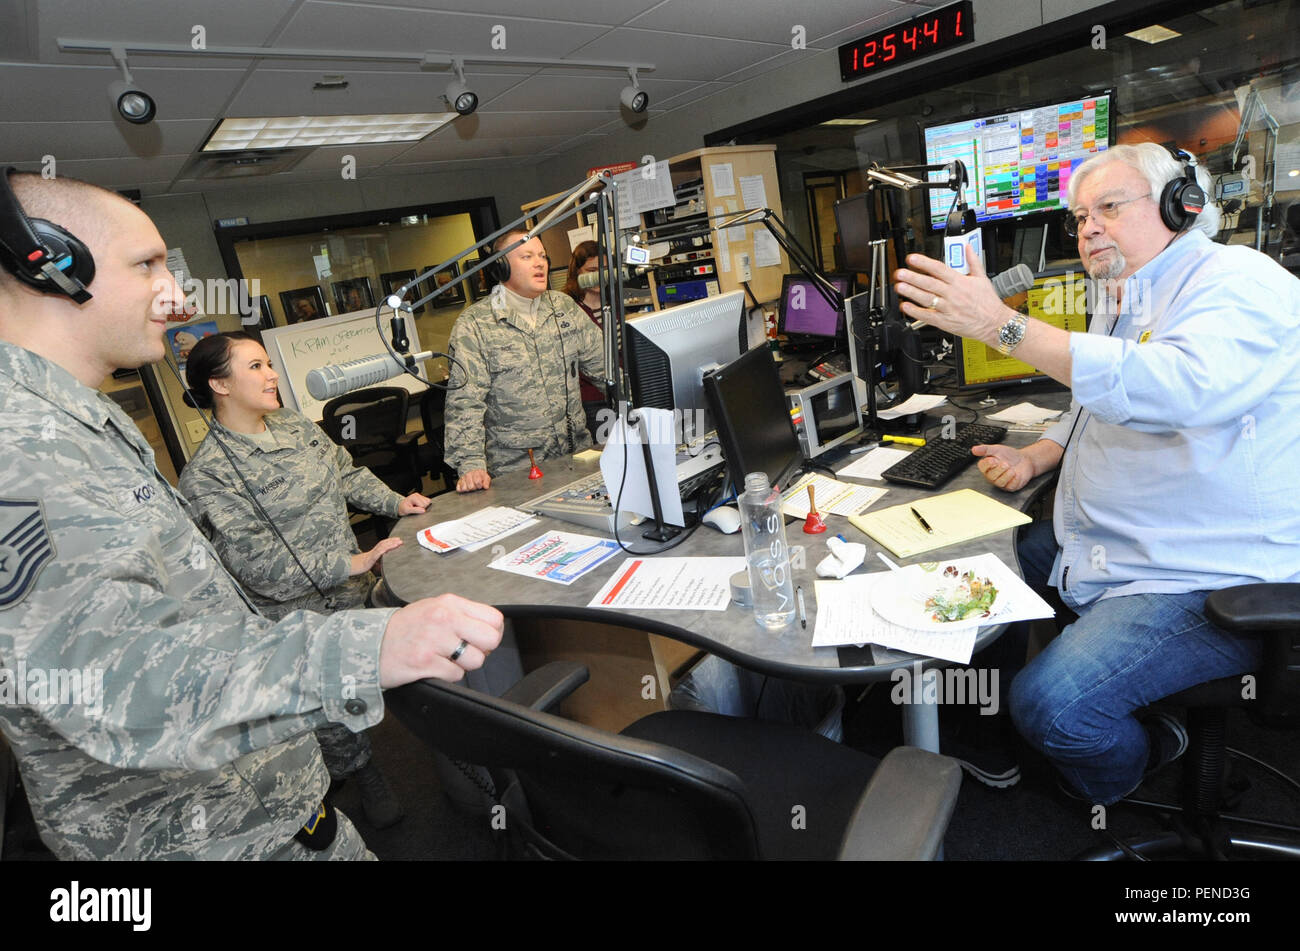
(1102, 271)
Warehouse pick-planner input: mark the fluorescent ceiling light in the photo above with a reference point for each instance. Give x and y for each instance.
(1153, 34)
(849, 121)
(284, 132)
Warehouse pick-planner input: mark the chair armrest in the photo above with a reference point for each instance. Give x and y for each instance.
(1252, 608)
(408, 441)
(544, 688)
(904, 812)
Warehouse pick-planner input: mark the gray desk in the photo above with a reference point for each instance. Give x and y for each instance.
(412, 572)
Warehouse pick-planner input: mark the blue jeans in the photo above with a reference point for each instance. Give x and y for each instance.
(1076, 700)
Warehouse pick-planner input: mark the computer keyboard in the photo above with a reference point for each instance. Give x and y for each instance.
(940, 459)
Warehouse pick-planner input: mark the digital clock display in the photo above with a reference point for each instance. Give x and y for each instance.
(917, 38)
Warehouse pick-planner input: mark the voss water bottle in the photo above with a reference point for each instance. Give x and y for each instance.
(767, 555)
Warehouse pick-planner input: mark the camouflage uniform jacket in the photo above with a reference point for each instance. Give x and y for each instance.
(524, 390)
(200, 744)
(304, 486)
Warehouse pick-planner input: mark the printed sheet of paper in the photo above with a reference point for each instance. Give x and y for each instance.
(753, 192)
(832, 496)
(724, 182)
(1026, 414)
(722, 246)
(917, 403)
(482, 525)
(670, 584)
(522, 526)
(869, 465)
(641, 190)
(579, 235)
(767, 253)
(562, 557)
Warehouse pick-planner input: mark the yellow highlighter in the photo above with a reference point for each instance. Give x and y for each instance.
(904, 440)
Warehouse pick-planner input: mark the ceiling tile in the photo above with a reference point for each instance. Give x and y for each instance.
(678, 55)
(610, 12)
(228, 23)
(366, 27)
(446, 145)
(769, 21)
(513, 125)
(29, 141)
(114, 173)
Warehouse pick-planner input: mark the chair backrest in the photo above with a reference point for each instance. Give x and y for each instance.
(591, 793)
(378, 416)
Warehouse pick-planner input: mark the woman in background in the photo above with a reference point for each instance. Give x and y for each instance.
(298, 550)
(586, 260)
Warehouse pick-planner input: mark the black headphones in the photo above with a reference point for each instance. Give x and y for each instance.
(40, 253)
(1182, 199)
(498, 272)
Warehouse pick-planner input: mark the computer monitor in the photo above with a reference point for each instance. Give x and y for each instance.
(1019, 161)
(668, 353)
(753, 418)
(804, 315)
(1059, 297)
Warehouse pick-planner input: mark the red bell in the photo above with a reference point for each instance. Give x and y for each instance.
(814, 524)
(536, 473)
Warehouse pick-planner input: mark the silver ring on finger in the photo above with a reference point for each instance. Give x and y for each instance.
(460, 649)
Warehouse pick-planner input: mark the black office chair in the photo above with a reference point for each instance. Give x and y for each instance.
(1200, 823)
(376, 435)
(679, 784)
(433, 404)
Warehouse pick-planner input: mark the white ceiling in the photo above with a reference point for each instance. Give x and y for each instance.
(56, 103)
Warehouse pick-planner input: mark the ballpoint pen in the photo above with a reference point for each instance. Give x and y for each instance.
(924, 523)
(803, 611)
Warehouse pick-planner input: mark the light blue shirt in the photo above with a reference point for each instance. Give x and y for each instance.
(1183, 473)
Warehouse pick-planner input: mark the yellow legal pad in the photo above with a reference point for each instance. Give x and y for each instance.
(955, 517)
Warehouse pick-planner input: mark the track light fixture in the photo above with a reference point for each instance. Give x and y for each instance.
(131, 102)
(633, 96)
(461, 98)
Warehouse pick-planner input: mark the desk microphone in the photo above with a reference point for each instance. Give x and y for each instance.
(331, 380)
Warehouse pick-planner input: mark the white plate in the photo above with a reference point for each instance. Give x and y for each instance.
(900, 599)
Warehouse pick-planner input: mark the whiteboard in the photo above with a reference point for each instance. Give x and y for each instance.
(300, 348)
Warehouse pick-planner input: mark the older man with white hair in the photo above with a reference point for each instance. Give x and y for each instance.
(1177, 461)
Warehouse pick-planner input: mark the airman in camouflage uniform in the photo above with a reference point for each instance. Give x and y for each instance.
(305, 485)
(203, 746)
(523, 389)
(199, 741)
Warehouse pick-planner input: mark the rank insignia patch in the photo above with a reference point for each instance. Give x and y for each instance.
(25, 548)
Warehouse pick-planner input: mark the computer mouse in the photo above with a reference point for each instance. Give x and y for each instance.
(724, 518)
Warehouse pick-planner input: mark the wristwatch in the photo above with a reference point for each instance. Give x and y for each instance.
(1012, 332)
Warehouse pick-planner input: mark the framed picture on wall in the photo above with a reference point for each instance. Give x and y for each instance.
(453, 295)
(477, 284)
(353, 294)
(259, 314)
(305, 303)
(395, 279)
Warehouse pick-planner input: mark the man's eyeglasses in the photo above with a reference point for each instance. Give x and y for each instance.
(1074, 223)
